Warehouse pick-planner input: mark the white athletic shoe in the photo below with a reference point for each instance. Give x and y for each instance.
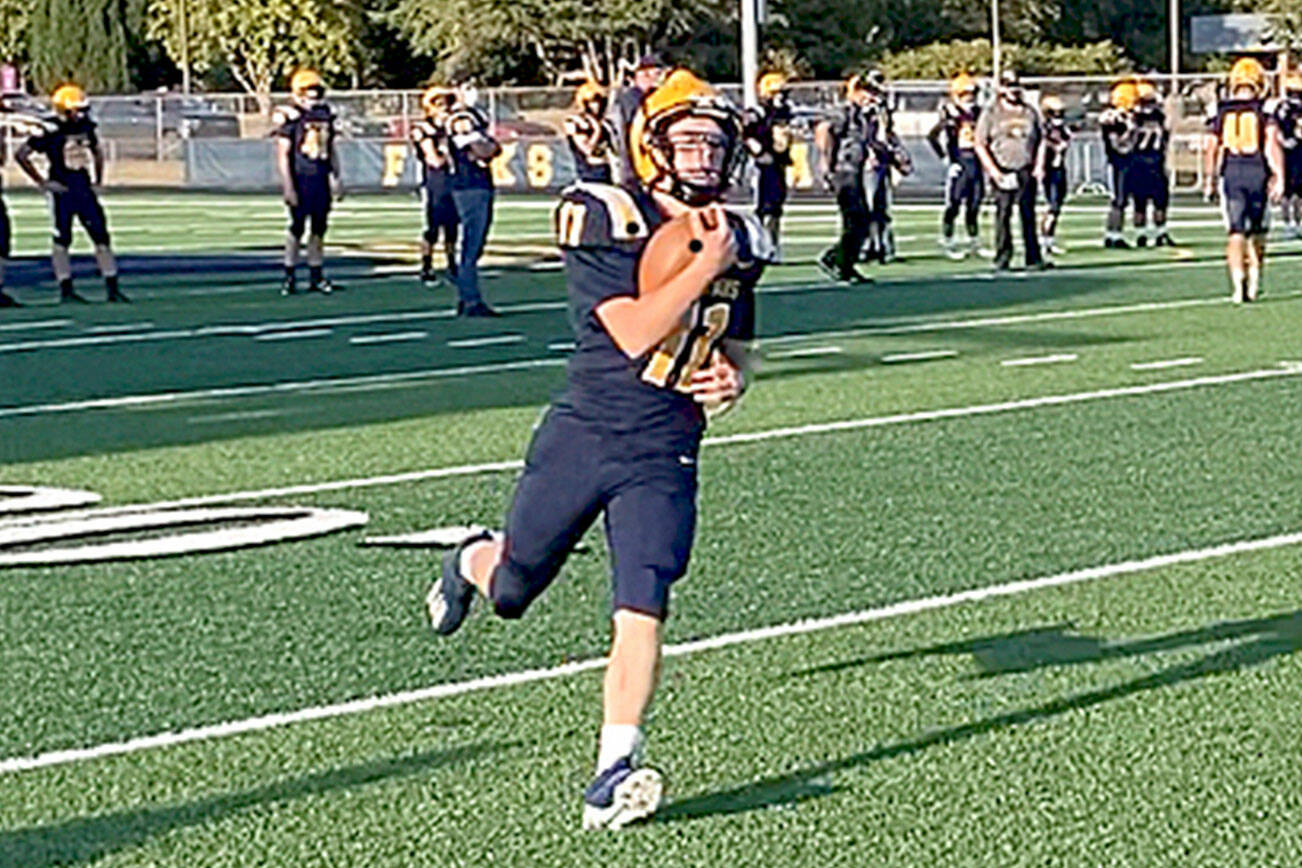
(621, 795)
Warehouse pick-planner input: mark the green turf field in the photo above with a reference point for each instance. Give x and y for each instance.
(1027, 553)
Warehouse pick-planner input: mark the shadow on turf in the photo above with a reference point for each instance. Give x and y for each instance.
(1257, 641)
(89, 838)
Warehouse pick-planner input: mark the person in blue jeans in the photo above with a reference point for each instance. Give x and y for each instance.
(472, 148)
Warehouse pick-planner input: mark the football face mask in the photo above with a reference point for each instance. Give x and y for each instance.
(699, 152)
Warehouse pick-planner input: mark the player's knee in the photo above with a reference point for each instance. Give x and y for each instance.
(62, 238)
(513, 589)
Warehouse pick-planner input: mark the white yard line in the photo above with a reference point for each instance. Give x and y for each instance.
(486, 341)
(921, 356)
(119, 327)
(1027, 361)
(234, 417)
(804, 352)
(727, 640)
(1167, 363)
(35, 324)
(392, 337)
(299, 334)
(918, 416)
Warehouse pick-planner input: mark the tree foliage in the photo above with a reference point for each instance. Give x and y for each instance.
(13, 30)
(261, 41)
(597, 36)
(78, 40)
(940, 60)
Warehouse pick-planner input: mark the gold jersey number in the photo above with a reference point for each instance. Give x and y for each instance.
(1241, 133)
(687, 350)
(966, 136)
(76, 154)
(316, 141)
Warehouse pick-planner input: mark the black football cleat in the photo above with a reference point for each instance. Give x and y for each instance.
(68, 295)
(1164, 240)
(117, 296)
(477, 310)
(449, 599)
(289, 286)
(324, 287)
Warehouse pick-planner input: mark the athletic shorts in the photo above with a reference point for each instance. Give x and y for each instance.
(1244, 203)
(574, 472)
(1055, 188)
(80, 203)
(313, 209)
(1148, 184)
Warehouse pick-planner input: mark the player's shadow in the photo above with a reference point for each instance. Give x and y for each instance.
(88, 838)
(1256, 640)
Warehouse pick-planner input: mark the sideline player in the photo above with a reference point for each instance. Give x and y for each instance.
(953, 138)
(473, 148)
(308, 162)
(1053, 169)
(623, 438)
(768, 139)
(1148, 183)
(429, 139)
(844, 141)
(1288, 115)
(590, 135)
(1116, 123)
(887, 157)
(8, 121)
(1243, 150)
(76, 168)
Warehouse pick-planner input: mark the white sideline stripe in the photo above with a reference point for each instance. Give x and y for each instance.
(1039, 360)
(291, 386)
(119, 327)
(529, 676)
(35, 324)
(562, 346)
(240, 416)
(486, 341)
(1285, 370)
(295, 335)
(922, 356)
(362, 340)
(806, 351)
(1167, 363)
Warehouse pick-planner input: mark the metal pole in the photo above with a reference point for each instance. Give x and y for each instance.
(995, 46)
(1173, 16)
(185, 48)
(749, 52)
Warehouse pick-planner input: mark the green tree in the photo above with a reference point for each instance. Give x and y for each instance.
(597, 36)
(13, 30)
(78, 40)
(940, 60)
(260, 41)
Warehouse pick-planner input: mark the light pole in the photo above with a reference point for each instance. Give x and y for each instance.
(1173, 16)
(185, 48)
(750, 16)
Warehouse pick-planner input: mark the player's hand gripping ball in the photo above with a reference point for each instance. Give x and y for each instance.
(701, 235)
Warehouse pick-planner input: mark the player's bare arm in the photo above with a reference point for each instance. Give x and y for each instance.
(1275, 159)
(283, 148)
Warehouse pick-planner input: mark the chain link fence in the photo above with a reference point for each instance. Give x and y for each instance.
(221, 141)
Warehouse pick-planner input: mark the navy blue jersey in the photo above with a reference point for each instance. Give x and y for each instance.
(1057, 139)
(311, 136)
(1149, 137)
(425, 135)
(953, 138)
(594, 164)
(1117, 127)
(768, 133)
(69, 145)
(602, 230)
(853, 129)
(1288, 115)
(1240, 127)
(468, 130)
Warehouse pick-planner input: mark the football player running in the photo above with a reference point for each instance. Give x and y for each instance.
(1147, 182)
(768, 139)
(1116, 123)
(429, 139)
(1053, 170)
(1243, 151)
(76, 169)
(623, 437)
(308, 162)
(953, 138)
(591, 136)
(1288, 115)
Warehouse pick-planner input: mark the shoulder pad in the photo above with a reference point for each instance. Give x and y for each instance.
(599, 215)
(27, 125)
(285, 114)
(757, 245)
(463, 122)
(575, 124)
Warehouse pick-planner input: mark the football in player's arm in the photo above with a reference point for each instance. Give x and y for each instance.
(768, 140)
(953, 139)
(307, 159)
(1244, 155)
(1052, 169)
(661, 285)
(76, 169)
(590, 135)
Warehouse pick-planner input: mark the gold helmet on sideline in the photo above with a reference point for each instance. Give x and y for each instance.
(1052, 106)
(437, 99)
(589, 91)
(1248, 72)
(1145, 92)
(69, 98)
(680, 95)
(770, 84)
(962, 85)
(303, 82)
(1124, 95)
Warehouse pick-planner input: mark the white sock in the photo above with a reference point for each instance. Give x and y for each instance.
(618, 740)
